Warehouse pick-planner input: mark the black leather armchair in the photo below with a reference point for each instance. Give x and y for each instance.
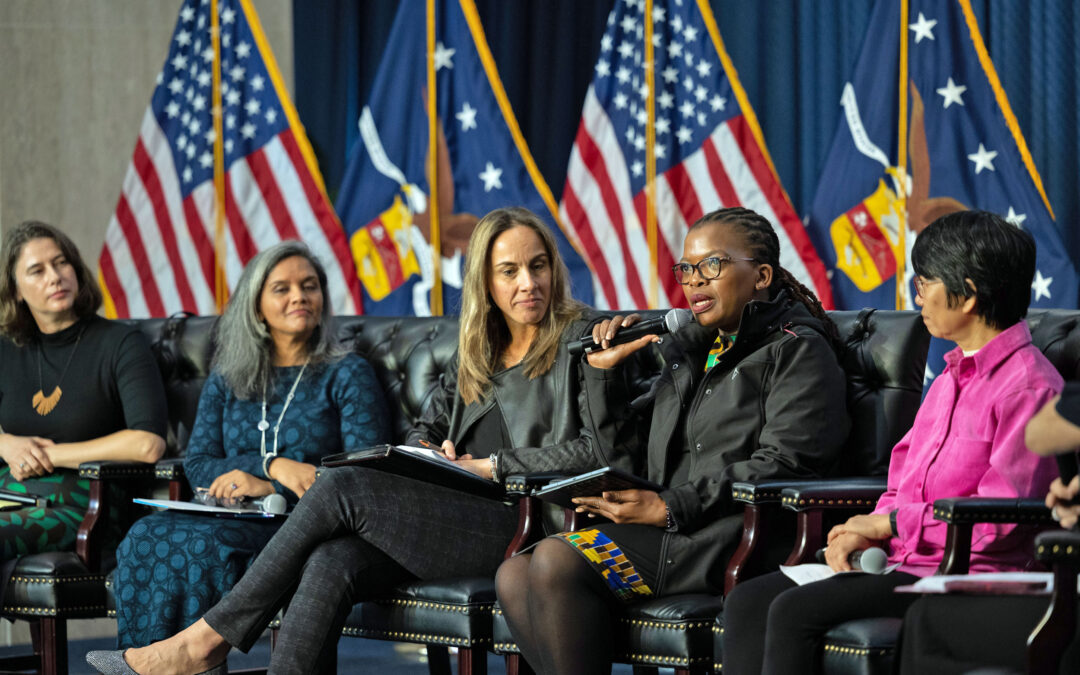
(47, 589)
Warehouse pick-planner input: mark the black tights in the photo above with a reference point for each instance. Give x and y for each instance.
(559, 610)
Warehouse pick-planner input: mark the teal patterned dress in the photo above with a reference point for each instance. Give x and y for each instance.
(171, 566)
(111, 384)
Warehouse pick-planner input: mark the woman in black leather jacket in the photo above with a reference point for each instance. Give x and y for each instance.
(755, 392)
(360, 531)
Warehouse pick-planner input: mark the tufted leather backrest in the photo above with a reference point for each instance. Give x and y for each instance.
(1057, 333)
(182, 346)
(884, 359)
(408, 355)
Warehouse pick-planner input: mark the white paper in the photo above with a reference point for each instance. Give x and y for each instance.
(936, 583)
(200, 508)
(430, 453)
(811, 572)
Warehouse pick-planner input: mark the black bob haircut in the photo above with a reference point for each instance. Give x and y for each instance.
(998, 258)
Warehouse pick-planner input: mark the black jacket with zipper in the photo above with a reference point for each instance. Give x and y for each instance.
(773, 406)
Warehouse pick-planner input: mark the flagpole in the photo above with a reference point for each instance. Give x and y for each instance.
(650, 160)
(221, 286)
(433, 160)
(901, 161)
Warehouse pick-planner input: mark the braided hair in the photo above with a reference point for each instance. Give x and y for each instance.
(764, 247)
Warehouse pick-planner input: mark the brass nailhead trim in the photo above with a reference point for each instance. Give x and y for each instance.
(401, 636)
(52, 581)
(98, 473)
(977, 517)
(750, 495)
(47, 611)
(440, 606)
(667, 625)
(659, 660)
(858, 651)
(505, 647)
(814, 501)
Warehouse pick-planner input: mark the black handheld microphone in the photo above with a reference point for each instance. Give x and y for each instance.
(870, 560)
(668, 323)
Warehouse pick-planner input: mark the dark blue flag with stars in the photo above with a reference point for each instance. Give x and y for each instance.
(965, 150)
(385, 201)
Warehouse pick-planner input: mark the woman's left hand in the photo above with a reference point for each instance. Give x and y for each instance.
(1059, 501)
(641, 507)
(236, 483)
(481, 467)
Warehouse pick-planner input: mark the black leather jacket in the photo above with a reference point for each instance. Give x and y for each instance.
(542, 415)
(773, 406)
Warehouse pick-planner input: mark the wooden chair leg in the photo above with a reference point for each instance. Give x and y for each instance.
(516, 665)
(472, 661)
(438, 660)
(49, 636)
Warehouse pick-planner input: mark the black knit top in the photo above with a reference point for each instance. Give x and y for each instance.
(113, 383)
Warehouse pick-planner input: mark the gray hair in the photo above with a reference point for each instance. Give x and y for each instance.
(244, 354)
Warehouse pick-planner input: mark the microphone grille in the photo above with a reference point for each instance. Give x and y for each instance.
(677, 318)
(873, 560)
(274, 503)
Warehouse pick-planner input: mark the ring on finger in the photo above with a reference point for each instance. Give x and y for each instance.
(234, 486)
(1055, 515)
(22, 465)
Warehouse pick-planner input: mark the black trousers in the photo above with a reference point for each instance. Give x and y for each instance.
(772, 625)
(958, 633)
(356, 533)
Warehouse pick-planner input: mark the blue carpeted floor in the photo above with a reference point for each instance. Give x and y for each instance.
(354, 656)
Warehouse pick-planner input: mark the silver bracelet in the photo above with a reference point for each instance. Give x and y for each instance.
(266, 465)
(494, 467)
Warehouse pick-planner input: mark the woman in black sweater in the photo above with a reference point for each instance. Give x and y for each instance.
(74, 388)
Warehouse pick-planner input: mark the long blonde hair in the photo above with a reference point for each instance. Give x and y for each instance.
(483, 331)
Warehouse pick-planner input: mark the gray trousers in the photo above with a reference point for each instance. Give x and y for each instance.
(356, 534)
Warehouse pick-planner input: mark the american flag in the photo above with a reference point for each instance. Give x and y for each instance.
(162, 252)
(709, 153)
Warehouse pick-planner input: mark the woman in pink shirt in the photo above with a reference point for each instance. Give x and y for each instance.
(974, 273)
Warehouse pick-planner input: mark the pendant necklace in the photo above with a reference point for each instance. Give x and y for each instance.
(264, 425)
(46, 404)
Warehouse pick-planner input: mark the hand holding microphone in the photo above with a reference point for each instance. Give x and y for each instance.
(871, 560)
(271, 503)
(602, 347)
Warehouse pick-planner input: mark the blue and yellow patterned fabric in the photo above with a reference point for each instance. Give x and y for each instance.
(608, 559)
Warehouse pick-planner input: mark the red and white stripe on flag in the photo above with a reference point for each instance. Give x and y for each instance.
(708, 157)
(159, 255)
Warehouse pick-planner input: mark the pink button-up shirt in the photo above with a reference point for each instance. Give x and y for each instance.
(968, 441)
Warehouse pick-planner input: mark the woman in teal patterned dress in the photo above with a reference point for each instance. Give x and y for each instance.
(74, 388)
(280, 396)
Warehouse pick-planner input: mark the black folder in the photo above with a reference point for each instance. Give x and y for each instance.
(396, 460)
(593, 483)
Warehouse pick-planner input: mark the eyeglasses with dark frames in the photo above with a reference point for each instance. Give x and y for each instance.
(708, 268)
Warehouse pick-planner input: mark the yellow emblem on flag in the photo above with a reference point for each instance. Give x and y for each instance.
(383, 253)
(867, 238)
